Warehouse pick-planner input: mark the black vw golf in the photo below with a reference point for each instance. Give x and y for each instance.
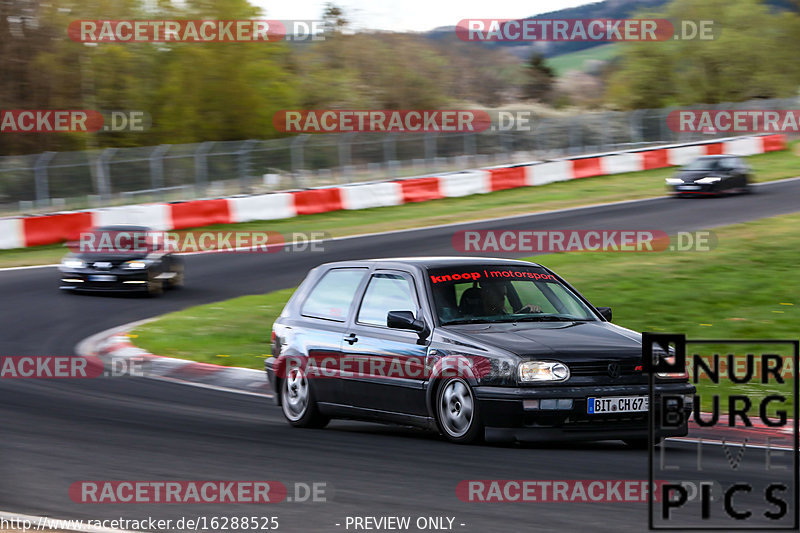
(472, 348)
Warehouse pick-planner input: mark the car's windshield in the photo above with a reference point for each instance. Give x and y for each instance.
(704, 164)
(503, 294)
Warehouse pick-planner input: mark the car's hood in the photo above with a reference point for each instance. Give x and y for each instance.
(114, 258)
(690, 176)
(568, 341)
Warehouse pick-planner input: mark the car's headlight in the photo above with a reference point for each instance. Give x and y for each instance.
(709, 180)
(538, 371)
(135, 264)
(73, 262)
(674, 181)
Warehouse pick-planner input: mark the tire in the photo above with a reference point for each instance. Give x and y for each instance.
(178, 280)
(155, 287)
(456, 411)
(297, 401)
(641, 444)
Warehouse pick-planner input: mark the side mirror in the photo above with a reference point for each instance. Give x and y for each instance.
(605, 312)
(404, 320)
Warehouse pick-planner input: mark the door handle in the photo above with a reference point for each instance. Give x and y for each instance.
(352, 338)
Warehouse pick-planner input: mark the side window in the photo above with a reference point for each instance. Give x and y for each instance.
(332, 295)
(385, 292)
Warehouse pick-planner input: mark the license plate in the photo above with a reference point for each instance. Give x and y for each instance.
(102, 277)
(688, 187)
(617, 404)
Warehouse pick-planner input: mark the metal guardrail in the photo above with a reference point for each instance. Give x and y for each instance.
(117, 176)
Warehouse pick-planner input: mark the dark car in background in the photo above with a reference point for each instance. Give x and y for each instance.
(472, 348)
(712, 175)
(120, 259)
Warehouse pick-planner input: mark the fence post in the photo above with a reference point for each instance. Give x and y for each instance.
(430, 149)
(296, 148)
(635, 122)
(390, 153)
(104, 174)
(41, 180)
(244, 165)
(201, 167)
(157, 169)
(345, 148)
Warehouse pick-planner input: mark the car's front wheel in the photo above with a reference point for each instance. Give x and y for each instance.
(457, 413)
(297, 401)
(178, 279)
(155, 286)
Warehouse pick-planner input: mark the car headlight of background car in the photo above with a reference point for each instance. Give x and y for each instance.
(674, 181)
(540, 371)
(73, 262)
(136, 264)
(708, 180)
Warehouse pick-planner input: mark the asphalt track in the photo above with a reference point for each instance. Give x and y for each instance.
(57, 432)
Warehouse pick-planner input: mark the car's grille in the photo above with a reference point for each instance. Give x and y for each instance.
(105, 264)
(627, 368)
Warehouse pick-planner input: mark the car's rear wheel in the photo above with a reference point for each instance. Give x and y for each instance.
(297, 401)
(457, 413)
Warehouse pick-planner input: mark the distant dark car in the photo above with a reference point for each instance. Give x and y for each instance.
(120, 259)
(711, 175)
(473, 348)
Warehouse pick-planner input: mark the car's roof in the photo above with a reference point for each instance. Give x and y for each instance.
(445, 261)
(716, 156)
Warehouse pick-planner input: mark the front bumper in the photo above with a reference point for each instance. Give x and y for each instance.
(86, 280)
(696, 189)
(506, 418)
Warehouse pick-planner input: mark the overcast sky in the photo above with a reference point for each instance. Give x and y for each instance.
(412, 15)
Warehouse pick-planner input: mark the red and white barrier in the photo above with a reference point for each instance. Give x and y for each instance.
(12, 235)
(744, 147)
(381, 194)
(155, 216)
(262, 207)
(548, 172)
(465, 183)
(683, 155)
(621, 163)
(36, 230)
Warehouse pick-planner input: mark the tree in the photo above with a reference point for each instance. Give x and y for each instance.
(539, 78)
(753, 55)
(333, 18)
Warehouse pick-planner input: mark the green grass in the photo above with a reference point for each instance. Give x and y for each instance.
(744, 288)
(635, 185)
(577, 60)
